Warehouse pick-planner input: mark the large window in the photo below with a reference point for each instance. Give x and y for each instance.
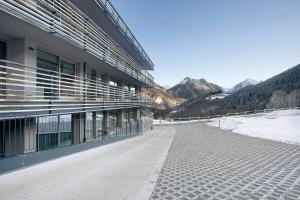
(47, 132)
(47, 75)
(52, 74)
(67, 78)
(94, 84)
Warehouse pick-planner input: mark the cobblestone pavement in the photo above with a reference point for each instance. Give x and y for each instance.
(209, 163)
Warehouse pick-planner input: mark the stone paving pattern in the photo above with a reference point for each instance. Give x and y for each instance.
(210, 163)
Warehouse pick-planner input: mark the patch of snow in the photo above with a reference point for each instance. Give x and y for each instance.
(167, 122)
(278, 125)
(217, 96)
(241, 85)
(184, 81)
(248, 82)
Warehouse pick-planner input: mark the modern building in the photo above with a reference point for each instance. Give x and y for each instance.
(71, 71)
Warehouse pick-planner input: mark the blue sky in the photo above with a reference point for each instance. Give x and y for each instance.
(223, 41)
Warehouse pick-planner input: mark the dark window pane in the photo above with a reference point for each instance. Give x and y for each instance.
(47, 74)
(67, 79)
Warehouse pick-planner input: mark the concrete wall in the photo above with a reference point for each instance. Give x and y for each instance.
(15, 53)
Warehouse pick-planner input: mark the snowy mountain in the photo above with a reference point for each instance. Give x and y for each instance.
(243, 84)
(280, 91)
(190, 88)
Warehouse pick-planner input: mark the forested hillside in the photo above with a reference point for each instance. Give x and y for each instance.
(282, 90)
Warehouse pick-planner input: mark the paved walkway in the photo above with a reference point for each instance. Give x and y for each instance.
(209, 163)
(123, 170)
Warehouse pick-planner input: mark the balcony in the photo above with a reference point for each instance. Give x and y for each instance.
(118, 21)
(63, 20)
(31, 91)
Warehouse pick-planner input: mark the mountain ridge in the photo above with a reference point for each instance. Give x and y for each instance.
(190, 88)
(282, 90)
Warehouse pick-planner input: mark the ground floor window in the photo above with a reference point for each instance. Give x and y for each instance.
(65, 130)
(47, 132)
(54, 131)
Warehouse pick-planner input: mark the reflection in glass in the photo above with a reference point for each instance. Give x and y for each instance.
(65, 130)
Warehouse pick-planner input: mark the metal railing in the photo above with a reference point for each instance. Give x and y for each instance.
(26, 89)
(62, 19)
(118, 21)
(244, 113)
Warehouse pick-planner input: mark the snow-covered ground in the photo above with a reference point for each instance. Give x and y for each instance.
(281, 126)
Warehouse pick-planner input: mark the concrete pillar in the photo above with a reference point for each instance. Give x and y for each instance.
(15, 53)
(23, 51)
